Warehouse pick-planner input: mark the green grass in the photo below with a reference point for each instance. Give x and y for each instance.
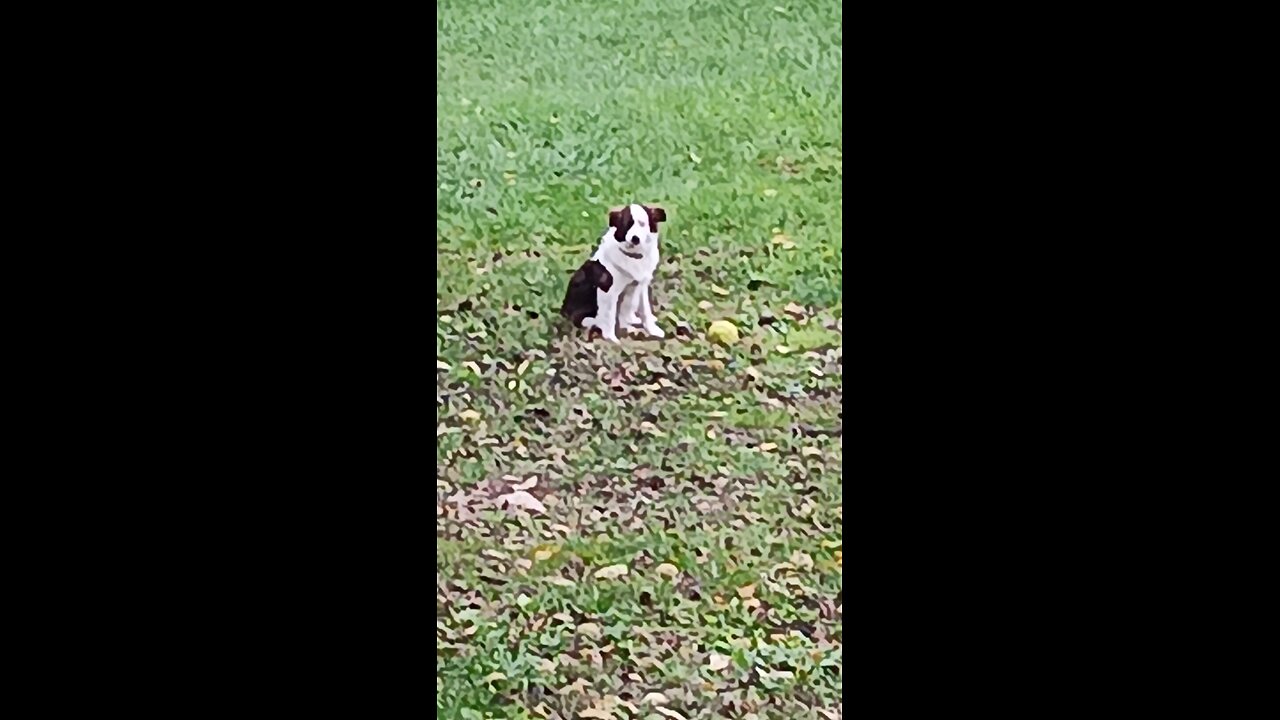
(720, 464)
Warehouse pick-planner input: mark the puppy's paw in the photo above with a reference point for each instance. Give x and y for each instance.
(597, 331)
(632, 320)
(655, 331)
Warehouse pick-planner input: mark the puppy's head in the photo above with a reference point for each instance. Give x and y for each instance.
(635, 228)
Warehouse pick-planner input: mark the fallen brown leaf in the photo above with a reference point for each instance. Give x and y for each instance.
(523, 500)
(667, 569)
(611, 572)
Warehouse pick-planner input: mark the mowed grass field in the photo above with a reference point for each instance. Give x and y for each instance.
(651, 529)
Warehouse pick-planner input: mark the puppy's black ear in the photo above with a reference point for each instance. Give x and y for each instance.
(617, 220)
(656, 215)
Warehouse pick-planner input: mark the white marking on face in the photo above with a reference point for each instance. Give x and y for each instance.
(639, 216)
(639, 231)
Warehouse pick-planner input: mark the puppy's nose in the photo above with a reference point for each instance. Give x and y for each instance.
(635, 241)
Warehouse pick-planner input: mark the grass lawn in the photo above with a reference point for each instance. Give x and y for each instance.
(683, 557)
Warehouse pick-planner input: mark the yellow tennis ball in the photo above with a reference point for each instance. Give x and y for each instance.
(723, 332)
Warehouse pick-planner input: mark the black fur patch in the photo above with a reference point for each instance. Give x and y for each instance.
(580, 299)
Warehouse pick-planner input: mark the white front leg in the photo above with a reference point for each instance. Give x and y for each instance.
(646, 312)
(629, 306)
(607, 311)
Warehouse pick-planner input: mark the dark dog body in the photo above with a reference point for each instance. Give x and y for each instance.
(580, 299)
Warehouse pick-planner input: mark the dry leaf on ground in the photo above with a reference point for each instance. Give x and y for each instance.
(522, 499)
(611, 572)
(716, 661)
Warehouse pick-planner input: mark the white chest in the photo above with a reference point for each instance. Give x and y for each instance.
(626, 268)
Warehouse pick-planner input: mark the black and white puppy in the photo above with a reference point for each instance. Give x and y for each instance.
(614, 284)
